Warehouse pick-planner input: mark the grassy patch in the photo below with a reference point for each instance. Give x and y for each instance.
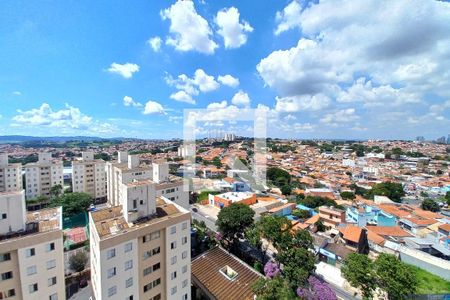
(430, 283)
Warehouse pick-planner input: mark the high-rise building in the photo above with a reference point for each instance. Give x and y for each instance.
(141, 249)
(127, 170)
(230, 137)
(441, 140)
(10, 175)
(420, 139)
(448, 139)
(89, 176)
(41, 176)
(186, 151)
(31, 246)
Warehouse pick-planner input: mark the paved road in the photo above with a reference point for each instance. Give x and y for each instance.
(211, 224)
(341, 293)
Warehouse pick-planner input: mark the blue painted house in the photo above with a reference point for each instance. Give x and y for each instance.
(369, 215)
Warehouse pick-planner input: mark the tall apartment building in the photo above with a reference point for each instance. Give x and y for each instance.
(31, 250)
(128, 170)
(10, 175)
(41, 176)
(141, 249)
(89, 176)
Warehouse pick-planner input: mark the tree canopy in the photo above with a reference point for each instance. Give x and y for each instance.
(73, 203)
(430, 205)
(392, 190)
(234, 219)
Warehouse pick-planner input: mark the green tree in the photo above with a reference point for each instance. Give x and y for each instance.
(278, 176)
(395, 277)
(359, 272)
(56, 190)
(273, 229)
(216, 162)
(73, 203)
(320, 226)
(77, 262)
(301, 213)
(447, 197)
(273, 289)
(430, 204)
(286, 190)
(348, 195)
(392, 190)
(233, 220)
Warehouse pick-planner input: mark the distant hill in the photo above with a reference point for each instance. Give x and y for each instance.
(4, 139)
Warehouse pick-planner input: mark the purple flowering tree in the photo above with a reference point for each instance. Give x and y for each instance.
(271, 269)
(317, 290)
(219, 236)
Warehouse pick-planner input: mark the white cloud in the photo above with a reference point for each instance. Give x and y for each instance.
(364, 91)
(288, 18)
(205, 82)
(217, 105)
(403, 50)
(124, 70)
(233, 32)
(17, 93)
(228, 80)
(182, 96)
(155, 43)
(152, 107)
(340, 116)
(190, 31)
(128, 101)
(70, 117)
(302, 103)
(241, 98)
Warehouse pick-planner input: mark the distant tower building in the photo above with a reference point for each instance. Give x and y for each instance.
(441, 140)
(89, 176)
(420, 139)
(229, 137)
(448, 139)
(186, 151)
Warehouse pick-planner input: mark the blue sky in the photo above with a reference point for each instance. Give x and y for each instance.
(328, 69)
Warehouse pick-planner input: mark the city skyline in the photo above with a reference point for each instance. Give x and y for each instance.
(318, 71)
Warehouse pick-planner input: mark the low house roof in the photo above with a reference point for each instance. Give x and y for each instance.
(206, 272)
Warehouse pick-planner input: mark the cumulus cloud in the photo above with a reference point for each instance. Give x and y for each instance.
(67, 119)
(217, 105)
(288, 18)
(182, 96)
(228, 80)
(155, 43)
(124, 70)
(128, 101)
(205, 82)
(189, 31)
(152, 107)
(234, 33)
(302, 103)
(241, 98)
(340, 116)
(401, 49)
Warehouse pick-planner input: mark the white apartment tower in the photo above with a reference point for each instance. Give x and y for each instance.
(128, 170)
(10, 175)
(31, 248)
(89, 176)
(141, 250)
(41, 176)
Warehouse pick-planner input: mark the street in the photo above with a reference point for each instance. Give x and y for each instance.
(210, 223)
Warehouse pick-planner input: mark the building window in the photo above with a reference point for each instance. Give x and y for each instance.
(185, 282)
(184, 240)
(173, 275)
(128, 247)
(30, 252)
(53, 297)
(147, 271)
(184, 254)
(128, 265)
(112, 272)
(173, 260)
(148, 287)
(156, 266)
(156, 282)
(156, 250)
(4, 216)
(110, 253)
(5, 257)
(155, 235)
(173, 290)
(157, 297)
(184, 269)
(185, 297)
(173, 245)
(129, 297)
(112, 291)
(11, 293)
(50, 247)
(173, 230)
(33, 288)
(129, 282)
(51, 281)
(51, 264)
(31, 270)
(7, 275)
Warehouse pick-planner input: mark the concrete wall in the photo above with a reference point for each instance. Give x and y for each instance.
(434, 265)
